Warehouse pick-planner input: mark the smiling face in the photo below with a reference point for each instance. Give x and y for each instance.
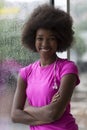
(46, 43)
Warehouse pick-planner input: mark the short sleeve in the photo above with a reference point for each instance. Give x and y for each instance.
(69, 67)
(25, 72)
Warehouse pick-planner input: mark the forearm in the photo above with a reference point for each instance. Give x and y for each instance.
(20, 116)
(42, 115)
(46, 114)
(49, 113)
(33, 115)
(36, 115)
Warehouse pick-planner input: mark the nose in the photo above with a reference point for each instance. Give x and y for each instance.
(45, 42)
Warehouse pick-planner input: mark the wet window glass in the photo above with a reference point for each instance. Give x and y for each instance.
(78, 54)
(63, 5)
(13, 56)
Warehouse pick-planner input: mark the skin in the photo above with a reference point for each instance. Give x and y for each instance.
(46, 46)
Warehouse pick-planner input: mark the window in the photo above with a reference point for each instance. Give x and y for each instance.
(78, 54)
(13, 14)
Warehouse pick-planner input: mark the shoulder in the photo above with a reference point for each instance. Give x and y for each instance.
(66, 66)
(30, 66)
(26, 71)
(65, 63)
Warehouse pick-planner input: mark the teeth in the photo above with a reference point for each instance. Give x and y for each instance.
(44, 49)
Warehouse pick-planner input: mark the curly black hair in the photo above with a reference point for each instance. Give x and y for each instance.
(51, 18)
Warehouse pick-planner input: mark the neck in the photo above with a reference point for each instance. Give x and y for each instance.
(47, 61)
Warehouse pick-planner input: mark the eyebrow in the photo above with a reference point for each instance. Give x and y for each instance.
(49, 35)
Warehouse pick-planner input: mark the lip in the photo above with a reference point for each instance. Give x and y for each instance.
(45, 49)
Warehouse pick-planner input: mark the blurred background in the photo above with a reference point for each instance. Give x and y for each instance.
(13, 56)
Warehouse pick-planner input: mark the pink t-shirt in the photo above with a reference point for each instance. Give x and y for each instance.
(40, 81)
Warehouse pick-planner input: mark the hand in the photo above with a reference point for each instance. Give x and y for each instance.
(26, 109)
(55, 97)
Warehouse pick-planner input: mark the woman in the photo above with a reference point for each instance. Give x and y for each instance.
(48, 83)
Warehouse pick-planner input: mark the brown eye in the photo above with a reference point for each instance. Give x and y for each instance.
(52, 39)
(39, 38)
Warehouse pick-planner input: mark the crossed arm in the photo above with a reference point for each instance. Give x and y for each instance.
(45, 114)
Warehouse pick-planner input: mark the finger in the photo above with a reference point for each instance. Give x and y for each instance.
(54, 100)
(56, 96)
